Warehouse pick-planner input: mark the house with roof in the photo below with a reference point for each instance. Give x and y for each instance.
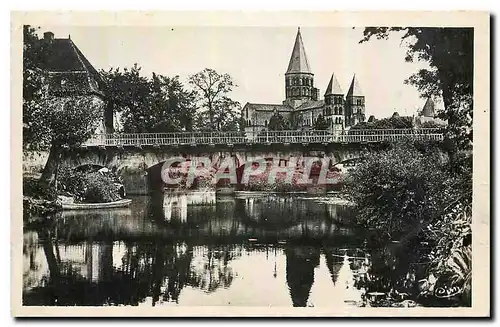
(71, 74)
(303, 103)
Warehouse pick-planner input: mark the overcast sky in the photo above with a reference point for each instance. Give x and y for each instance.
(257, 58)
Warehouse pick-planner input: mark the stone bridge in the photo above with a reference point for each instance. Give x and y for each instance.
(138, 158)
(140, 167)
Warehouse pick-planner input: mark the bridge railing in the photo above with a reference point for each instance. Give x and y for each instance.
(264, 137)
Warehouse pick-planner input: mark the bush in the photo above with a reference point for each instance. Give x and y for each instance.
(36, 190)
(401, 189)
(90, 187)
(409, 193)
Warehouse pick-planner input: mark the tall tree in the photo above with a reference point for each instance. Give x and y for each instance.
(158, 104)
(51, 122)
(213, 89)
(449, 53)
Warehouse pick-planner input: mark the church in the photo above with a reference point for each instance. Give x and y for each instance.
(303, 103)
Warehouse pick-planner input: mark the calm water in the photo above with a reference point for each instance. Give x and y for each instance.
(195, 250)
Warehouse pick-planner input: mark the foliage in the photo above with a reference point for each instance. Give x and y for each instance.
(213, 89)
(227, 117)
(91, 187)
(278, 123)
(35, 190)
(400, 190)
(394, 122)
(321, 123)
(449, 53)
(409, 194)
(51, 121)
(158, 104)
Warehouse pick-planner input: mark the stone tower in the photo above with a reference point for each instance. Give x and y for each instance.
(334, 104)
(355, 104)
(299, 80)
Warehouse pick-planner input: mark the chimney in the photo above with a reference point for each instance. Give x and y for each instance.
(48, 36)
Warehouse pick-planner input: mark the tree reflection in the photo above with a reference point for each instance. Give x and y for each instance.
(213, 270)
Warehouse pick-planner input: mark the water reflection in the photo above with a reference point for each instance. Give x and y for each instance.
(182, 249)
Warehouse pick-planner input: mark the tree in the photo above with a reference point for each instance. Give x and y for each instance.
(52, 122)
(159, 104)
(68, 122)
(212, 89)
(277, 123)
(34, 87)
(321, 123)
(449, 53)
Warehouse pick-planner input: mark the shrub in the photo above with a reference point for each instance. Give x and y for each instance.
(401, 189)
(36, 190)
(90, 187)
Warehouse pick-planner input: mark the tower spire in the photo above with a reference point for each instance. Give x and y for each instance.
(333, 87)
(298, 60)
(355, 89)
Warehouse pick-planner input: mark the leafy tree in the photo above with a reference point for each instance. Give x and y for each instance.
(277, 123)
(449, 53)
(321, 123)
(213, 89)
(65, 123)
(159, 104)
(52, 122)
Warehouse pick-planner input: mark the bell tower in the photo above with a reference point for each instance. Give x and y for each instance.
(334, 104)
(299, 80)
(355, 104)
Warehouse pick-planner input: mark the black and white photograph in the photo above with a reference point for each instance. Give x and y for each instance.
(292, 165)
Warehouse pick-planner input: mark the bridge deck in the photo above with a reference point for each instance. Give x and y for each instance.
(265, 137)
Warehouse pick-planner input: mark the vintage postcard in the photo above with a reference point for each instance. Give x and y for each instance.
(276, 164)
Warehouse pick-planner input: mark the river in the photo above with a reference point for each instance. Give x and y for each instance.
(198, 250)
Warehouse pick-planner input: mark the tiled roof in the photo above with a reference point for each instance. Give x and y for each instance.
(311, 105)
(355, 89)
(298, 61)
(62, 55)
(267, 107)
(333, 87)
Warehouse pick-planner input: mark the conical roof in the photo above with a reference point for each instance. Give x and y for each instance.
(428, 110)
(355, 89)
(333, 87)
(298, 61)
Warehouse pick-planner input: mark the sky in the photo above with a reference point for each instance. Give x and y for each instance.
(257, 58)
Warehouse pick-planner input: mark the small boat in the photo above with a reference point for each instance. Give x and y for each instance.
(105, 205)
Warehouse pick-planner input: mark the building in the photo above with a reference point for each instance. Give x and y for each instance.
(302, 105)
(71, 74)
(427, 115)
